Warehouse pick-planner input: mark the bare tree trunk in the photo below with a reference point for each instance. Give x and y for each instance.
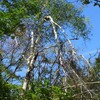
(29, 73)
(30, 62)
(27, 80)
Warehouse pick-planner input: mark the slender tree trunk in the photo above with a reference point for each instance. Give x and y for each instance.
(29, 73)
(27, 80)
(30, 62)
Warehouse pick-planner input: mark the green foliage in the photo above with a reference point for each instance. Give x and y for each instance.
(86, 1)
(41, 91)
(4, 90)
(95, 2)
(8, 91)
(14, 13)
(97, 68)
(38, 92)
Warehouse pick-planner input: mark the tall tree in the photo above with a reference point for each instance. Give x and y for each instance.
(38, 43)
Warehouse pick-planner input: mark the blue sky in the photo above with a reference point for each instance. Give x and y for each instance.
(91, 46)
(94, 15)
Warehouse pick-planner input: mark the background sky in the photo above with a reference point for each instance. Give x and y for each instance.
(91, 46)
(94, 15)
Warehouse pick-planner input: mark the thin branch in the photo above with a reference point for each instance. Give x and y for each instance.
(86, 83)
